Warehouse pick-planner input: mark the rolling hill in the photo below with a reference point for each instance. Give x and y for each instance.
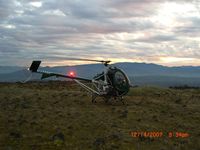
(139, 73)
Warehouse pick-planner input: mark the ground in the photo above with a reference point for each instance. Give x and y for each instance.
(60, 115)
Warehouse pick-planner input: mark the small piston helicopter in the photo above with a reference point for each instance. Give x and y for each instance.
(111, 83)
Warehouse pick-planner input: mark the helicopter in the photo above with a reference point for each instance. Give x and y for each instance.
(112, 82)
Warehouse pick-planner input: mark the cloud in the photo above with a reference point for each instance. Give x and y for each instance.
(141, 30)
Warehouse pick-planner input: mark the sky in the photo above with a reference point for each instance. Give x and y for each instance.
(164, 32)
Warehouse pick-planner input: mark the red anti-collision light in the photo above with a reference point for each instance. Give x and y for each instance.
(71, 74)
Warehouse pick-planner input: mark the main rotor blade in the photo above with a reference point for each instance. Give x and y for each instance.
(82, 59)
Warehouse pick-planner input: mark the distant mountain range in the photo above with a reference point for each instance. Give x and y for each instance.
(139, 73)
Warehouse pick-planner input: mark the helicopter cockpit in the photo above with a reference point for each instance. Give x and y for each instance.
(117, 81)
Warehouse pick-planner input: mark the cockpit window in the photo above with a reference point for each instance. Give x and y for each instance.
(120, 79)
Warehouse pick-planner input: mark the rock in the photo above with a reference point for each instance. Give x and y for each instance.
(113, 109)
(15, 135)
(24, 105)
(114, 125)
(58, 136)
(115, 136)
(155, 118)
(124, 114)
(70, 127)
(114, 147)
(99, 142)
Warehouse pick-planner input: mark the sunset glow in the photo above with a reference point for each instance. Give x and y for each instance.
(161, 32)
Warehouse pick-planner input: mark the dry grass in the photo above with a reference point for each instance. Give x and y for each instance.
(59, 115)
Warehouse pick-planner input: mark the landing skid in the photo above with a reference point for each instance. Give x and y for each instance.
(94, 96)
(96, 92)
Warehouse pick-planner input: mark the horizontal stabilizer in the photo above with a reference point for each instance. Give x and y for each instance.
(34, 66)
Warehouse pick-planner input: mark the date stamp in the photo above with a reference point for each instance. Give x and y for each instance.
(158, 134)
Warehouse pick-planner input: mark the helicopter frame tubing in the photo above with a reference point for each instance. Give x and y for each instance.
(98, 85)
